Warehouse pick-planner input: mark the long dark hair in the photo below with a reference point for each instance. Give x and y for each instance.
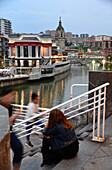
(57, 116)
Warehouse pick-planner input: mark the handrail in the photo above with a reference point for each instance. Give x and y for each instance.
(71, 94)
(91, 104)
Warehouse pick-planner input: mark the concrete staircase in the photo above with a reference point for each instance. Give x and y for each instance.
(32, 157)
(91, 155)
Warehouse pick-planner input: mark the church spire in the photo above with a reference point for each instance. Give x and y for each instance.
(60, 21)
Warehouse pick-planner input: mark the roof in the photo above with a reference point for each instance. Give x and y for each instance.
(92, 53)
(92, 41)
(70, 49)
(14, 35)
(45, 36)
(59, 28)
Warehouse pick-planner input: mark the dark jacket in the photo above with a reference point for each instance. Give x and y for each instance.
(61, 137)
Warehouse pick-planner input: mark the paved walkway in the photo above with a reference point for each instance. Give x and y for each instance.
(91, 156)
(102, 158)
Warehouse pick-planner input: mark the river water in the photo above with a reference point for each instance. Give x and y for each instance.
(54, 91)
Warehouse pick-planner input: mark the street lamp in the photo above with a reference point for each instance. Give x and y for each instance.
(103, 61)
(93, 62)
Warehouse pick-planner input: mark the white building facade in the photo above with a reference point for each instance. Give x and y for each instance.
(28, 50)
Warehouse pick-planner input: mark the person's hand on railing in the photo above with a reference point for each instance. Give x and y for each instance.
(14, 116)
(44, 114)
(17, 113)
(46, 125)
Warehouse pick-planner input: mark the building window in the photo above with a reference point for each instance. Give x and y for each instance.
(18, 51)
(13, 51)
(111, 45)
(45, 51)
(18, 63)
(26, 63)
(33, 63)
(106, 44)
(25, 51)
(39, 51)
(33, 51)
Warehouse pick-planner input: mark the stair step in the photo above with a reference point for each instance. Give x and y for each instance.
(35, 148)
(84, 135)
(79, 128)
(86, 128)
(31, 153)
(25, 154)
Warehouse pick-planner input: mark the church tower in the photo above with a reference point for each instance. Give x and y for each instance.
(60, 36)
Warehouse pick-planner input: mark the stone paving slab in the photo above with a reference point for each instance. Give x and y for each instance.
(99, 154)
(87, 149)
(33, 163)
(104, 163)
(102, 159)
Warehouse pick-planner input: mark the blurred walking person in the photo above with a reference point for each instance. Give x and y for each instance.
(6, 98)
(32, 111)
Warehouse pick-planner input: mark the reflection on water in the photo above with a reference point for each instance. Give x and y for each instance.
(54, 91)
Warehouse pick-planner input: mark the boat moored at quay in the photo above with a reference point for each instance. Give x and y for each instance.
(47, 71)
(22, 75)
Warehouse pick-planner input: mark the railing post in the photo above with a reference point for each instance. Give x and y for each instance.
(104, 113)
(74, 85)
(79, 103)
(99, 112)
(94, 114)
(71, 94)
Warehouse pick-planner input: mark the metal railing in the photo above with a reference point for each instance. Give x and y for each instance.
(94, 104)
(76, 85)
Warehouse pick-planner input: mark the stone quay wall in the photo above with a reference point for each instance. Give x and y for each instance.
(5, 162)
(12, 81)
(97, 78)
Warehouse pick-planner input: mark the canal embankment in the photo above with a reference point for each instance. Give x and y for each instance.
(12, 81)
(21, 79)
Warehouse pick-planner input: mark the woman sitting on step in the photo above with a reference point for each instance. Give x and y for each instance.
(60, 141)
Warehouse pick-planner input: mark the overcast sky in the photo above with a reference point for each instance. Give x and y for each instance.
(78, 16)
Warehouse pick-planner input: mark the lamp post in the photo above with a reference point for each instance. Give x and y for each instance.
(103, 61)
(93, 62)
